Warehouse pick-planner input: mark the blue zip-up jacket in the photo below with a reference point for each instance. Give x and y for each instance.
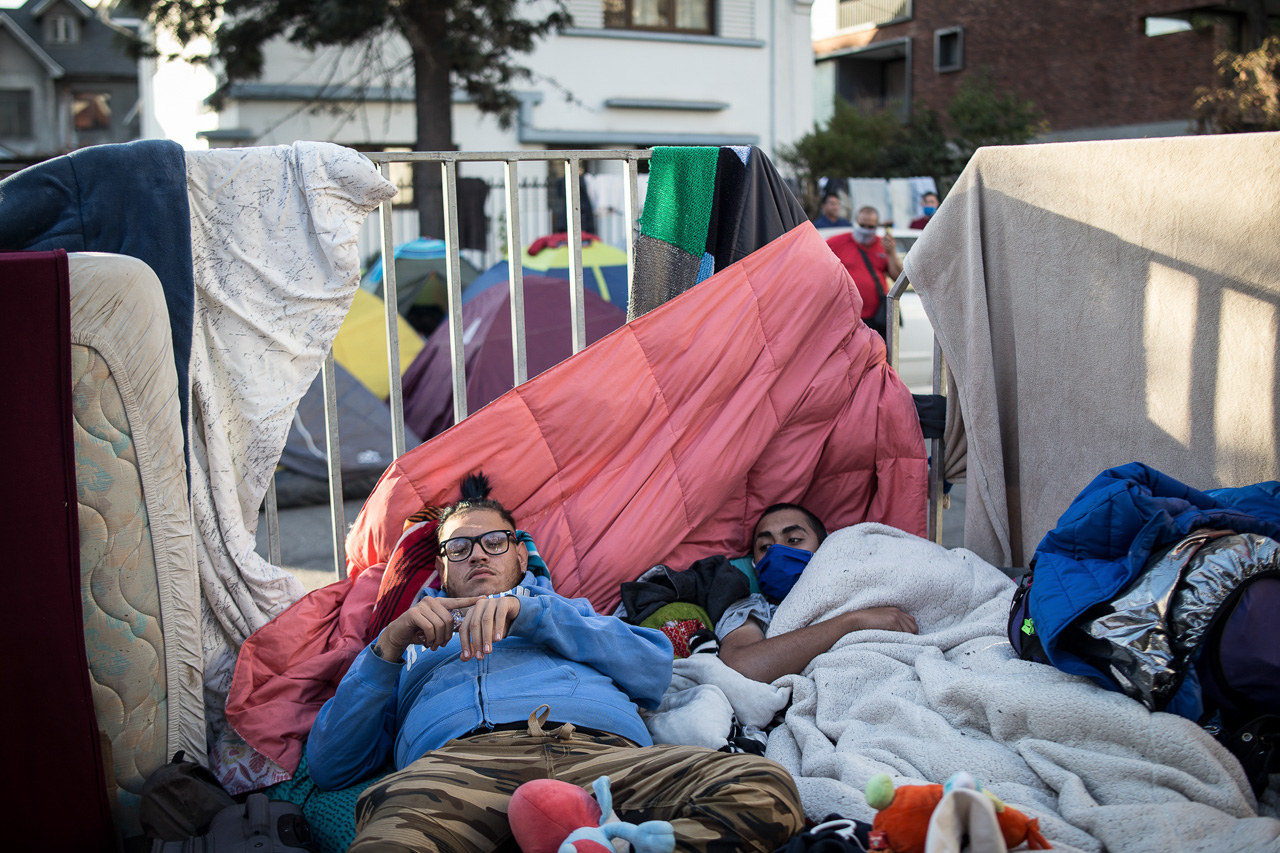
(590, 669)
(1105, 538)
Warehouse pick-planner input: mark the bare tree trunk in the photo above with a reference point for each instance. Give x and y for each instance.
(433, 101)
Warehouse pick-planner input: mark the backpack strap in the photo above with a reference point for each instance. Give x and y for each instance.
(875, 276)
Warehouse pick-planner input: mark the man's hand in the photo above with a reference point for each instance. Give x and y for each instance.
(890, 247)
(881, 618)
(428, 623)
(487, 622)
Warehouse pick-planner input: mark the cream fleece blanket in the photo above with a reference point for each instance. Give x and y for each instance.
(1097, 768)
(1100, 303)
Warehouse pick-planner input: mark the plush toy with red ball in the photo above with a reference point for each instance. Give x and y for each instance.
(550, 816)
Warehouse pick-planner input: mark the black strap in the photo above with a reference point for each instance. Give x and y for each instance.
(875, 276)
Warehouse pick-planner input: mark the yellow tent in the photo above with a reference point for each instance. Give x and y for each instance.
(361, 344)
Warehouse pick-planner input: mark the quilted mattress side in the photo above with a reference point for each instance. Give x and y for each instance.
(140, 591)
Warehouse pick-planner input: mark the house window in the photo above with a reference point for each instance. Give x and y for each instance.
(61, 29)
(15, 114)
(948, 49)
(92, 111)
(685, 16)
(1166, 26)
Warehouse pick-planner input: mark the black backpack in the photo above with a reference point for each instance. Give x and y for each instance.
(180, 800)
(258, 825)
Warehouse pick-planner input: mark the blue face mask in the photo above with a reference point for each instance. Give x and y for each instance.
(779, 569)
(929, 209)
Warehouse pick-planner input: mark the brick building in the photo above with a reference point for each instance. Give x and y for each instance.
(1096, 68)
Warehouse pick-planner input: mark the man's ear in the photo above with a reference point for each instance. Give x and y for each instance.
(442, 566)
(522, 557)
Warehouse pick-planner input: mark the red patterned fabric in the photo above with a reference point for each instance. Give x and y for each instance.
(412, 566)
(680, 632)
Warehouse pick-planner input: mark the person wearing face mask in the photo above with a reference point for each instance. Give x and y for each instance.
(872, 262)
(929, 205)
(784, 539)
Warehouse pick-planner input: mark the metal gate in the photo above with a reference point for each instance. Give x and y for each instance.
(511, 186)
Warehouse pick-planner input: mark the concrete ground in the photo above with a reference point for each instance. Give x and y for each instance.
(306, 537)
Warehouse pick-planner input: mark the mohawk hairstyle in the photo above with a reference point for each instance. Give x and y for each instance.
(476, 488)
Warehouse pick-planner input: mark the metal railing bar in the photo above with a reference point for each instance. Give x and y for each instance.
(337, 512)
(391, 304)
(504, 156)
(891, 337)
(631, 200)
(937, 501)
(273, 523)
(457, 349)
(573, 200)
(515, 266)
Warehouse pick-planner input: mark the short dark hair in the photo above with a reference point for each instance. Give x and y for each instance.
(818, 527)
(931, 193)
(476, 489)
(826, 196)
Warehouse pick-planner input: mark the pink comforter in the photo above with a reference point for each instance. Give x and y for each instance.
(664, 441)
(661, 443)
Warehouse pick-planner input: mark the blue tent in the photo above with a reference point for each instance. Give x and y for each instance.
(421, 274)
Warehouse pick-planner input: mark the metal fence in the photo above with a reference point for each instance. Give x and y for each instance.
(391, 222)
(538, 217)
(937, 500)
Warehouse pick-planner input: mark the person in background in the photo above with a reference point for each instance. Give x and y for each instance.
(872, 262)
(459, 692)
(929, 204)
(784, 539)
(830, 216)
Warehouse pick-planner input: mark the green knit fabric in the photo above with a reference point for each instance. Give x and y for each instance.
(331, 814)
(677, 204)
(677, 611)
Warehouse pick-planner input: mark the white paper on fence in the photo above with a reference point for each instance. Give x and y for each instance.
(273, 244)
(1095, 767)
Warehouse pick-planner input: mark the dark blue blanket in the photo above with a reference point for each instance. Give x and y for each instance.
(128, 199)
(1104, 539)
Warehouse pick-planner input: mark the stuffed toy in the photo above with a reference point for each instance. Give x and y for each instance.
(550, 816)
(904, 814)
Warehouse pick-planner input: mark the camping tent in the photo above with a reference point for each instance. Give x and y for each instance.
(361, 344)
(604, 267)
(421, 277)
(364, 442)
(486, 320)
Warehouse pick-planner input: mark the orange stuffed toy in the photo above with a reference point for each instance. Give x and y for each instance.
(903, 814)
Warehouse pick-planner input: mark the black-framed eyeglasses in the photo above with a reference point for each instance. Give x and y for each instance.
(494, 542)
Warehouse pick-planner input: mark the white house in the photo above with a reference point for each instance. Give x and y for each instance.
(726, 72)
(630, 73)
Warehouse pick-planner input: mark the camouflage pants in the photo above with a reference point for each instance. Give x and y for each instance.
(454, 799)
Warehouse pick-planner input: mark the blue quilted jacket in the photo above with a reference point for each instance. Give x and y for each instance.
(1104, 539)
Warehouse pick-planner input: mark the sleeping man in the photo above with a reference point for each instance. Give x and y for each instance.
(784, 539)
(461, 690)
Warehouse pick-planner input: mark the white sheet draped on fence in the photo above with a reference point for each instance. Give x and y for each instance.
(273, 239)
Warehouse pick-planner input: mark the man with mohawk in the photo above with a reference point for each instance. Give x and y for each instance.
(495, 681)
